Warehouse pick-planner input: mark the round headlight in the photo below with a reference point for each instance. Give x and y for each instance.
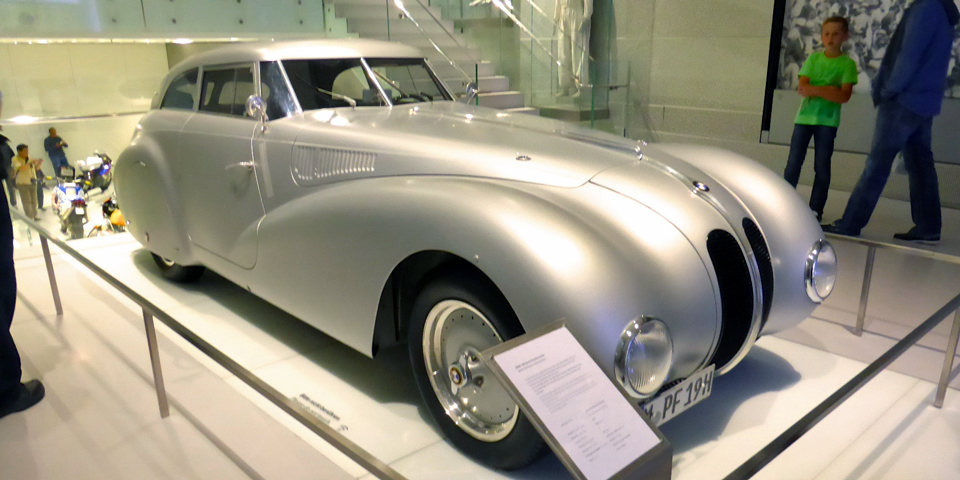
(821, 271)
(644, 356)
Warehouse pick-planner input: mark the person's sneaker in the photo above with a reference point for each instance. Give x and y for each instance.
(913, 236)
(30, 394)
(837, 230)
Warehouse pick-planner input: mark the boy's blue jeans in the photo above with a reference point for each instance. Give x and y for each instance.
(897, 130)
(823, 138)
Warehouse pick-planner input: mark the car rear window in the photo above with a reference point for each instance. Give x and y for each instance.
(182, 91)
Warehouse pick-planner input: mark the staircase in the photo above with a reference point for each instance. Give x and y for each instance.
(369, 19)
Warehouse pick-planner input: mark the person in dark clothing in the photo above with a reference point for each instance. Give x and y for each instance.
(14, 395)
(54, 146)
(6, 168)
(908, 92)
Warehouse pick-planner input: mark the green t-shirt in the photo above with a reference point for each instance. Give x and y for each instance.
(823, 72)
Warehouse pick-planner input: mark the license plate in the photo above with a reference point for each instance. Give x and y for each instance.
(673, 402)
(79, 210)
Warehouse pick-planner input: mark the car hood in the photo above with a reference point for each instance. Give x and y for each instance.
(449, 138)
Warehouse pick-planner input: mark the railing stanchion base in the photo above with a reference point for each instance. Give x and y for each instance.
(865, 291)
(53, 278)
(949, 352)
(155, 362)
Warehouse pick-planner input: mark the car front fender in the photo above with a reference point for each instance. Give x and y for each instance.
(588, 255)
(788, 226)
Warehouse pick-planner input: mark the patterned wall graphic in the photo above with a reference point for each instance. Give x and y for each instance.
(872, 23)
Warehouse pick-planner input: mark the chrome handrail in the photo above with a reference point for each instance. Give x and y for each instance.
(872, 246)
(755, 463)
(759, 460)
(449, 34)
(151, 311)
(406, 13)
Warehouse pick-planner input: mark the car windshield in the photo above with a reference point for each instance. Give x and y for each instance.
(342, 82)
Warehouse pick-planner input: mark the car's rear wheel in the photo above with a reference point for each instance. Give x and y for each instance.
(456, 316)
(176, 272)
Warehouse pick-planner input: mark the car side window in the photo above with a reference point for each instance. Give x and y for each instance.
(225, 90)
(182, 91)
(274, 91)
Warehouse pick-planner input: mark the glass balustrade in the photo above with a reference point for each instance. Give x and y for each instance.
(574, 76)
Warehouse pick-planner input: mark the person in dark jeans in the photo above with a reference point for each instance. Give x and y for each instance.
(908, 92)
(826, 82)
(14, 395)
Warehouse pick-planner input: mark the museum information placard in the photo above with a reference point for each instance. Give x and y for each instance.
(585, 413)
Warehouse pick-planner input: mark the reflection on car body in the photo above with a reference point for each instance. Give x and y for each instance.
(340, 181)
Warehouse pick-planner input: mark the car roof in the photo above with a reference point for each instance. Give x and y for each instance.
(299, 49)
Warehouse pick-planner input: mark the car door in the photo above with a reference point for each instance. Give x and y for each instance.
(216, 168)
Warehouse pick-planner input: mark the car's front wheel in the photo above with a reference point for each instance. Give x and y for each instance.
(455, 317)
(176, 272)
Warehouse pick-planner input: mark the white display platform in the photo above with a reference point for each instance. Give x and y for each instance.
(379, 407)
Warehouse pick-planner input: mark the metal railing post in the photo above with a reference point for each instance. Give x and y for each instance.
(865, 291)
(155, 362)
(53, 278)
(949, 352)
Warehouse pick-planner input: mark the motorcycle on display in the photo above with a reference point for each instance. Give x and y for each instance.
(70, 203)
(96, 172)
(113, 221)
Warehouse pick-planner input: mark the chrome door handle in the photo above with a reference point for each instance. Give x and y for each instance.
(248, 165)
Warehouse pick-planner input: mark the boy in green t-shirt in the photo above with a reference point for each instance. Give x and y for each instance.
(826, 81)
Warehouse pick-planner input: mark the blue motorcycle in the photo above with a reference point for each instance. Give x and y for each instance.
(70, 203)
(96, 172)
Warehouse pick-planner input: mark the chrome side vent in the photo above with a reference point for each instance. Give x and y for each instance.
(313, 165)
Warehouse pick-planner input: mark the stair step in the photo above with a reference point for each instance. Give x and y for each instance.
(360, 2)
(501, 100)
(524, 110)
(381, 11)
(495, 83)
(378, 26)
(482, 69)
(423, 43)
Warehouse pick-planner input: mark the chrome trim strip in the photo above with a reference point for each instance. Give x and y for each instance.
(286, 81)
(372, 77)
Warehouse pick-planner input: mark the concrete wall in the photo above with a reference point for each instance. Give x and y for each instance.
(93, 94)
(705, 83)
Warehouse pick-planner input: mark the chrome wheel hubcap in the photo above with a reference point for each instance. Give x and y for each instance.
(453, 336)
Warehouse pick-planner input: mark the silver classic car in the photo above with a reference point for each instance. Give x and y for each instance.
(341, 181)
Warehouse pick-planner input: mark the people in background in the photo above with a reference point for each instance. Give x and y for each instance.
(54, 146)
(826, 82)
(908, 92)
(39, 175)
(26, 178)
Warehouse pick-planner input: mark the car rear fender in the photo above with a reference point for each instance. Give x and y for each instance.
(147, 196)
